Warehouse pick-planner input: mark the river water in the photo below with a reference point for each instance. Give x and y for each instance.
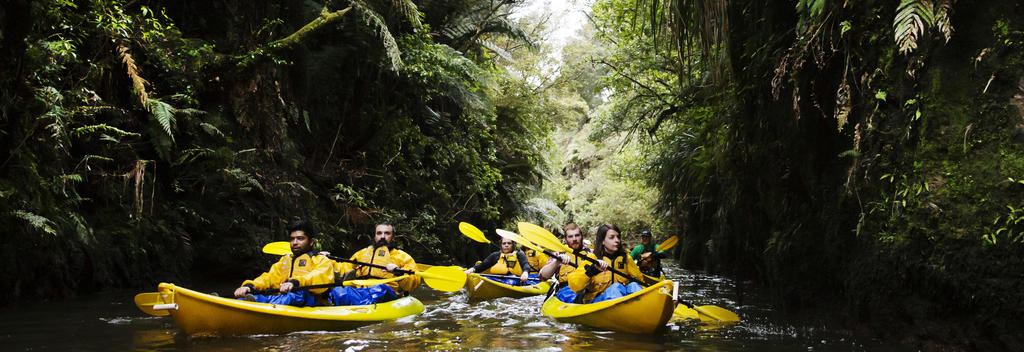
(110, 322)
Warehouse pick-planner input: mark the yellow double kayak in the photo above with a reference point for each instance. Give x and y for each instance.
(202, 314)
(481, 288)
(642, 312)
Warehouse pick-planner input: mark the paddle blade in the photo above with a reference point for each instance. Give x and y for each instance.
(717, 313)
(542, 237)
(444, 278)
(472, 232)
(668, 244)
(518, 239)
(683, 312)
(278, 248)
(146, 300)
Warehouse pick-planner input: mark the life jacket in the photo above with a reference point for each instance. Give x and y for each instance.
(536, 259)
(382, 256)
(308, 269)
(507, 264)
(566, 269)
(596, 285)
(648, 263)
(379, 256)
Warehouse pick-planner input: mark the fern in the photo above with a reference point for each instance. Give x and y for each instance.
(138, 83)
(247, 180)
(942, 21)
(915, 17)
(102, 128)
(377, 22)
(38, 222)
(408, 10)
(211, 129)
(164, 114)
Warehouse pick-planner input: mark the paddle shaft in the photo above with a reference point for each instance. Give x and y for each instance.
(610, 268)
(300, 288)
(344, 260)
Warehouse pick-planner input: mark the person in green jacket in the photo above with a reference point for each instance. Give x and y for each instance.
(647, 256)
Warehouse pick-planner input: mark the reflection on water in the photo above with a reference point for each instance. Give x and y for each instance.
(111, 322)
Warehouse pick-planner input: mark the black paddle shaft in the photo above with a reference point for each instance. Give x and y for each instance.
(343, 260)
(610, 268)
(555, 255)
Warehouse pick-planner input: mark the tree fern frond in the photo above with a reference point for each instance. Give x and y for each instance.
(381, 27)
(164, 114)
(942, 21)
(138, 83)
(496, 49)
(211, 129)
(408, 10)
(502, 26)
(913, 17)
(38, 222)
(101, 128)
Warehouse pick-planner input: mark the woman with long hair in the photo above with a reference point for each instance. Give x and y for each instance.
(596, 283)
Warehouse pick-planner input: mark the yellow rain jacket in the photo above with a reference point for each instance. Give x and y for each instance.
(306, 269)
(566, 269)
(382, 256)
(536, 260)
(578, 279)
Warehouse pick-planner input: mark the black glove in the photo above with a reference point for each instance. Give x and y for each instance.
(592, 270)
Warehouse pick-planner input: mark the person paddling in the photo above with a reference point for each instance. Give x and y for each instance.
(536, 259)
(594, 282)
(557, 265)
(382, 252)
(508, 261)
(647, 256)
(301, 267)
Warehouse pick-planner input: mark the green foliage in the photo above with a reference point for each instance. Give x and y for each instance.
(822, 158)
(145, 138)
(38, 222)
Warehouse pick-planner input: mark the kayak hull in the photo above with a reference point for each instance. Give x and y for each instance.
(642, 312)
(202, 314)
(481, 288)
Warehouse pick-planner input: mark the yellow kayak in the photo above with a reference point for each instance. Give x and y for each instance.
(642, 312)
(481, 288)
(202, 314)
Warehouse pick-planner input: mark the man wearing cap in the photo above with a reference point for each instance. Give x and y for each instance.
(647, 256)
(301, 267)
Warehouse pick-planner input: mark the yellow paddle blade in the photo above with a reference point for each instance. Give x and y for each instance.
(542, 237)
(146, 300)
(668, 244)
(443, 278)
(717, 313)
(682, 312)
(278, 248)
(472, 232)
(518, 239)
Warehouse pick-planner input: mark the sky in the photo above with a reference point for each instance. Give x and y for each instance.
(567, 17)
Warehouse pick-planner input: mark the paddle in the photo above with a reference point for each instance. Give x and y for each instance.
(353, 282)
(472, 232)
(663, 246)
(526, 243)
(544, 238)
(147, 300)
(441, 278)
(668, 243)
